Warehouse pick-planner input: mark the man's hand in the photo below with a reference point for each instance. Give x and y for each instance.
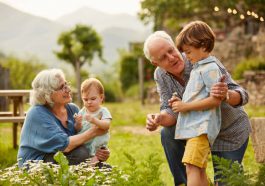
(220, 89)
(103, 154)
(153, 121)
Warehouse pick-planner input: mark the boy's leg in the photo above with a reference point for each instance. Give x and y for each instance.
(195, 158)
(196, 176)
(236, 155)
(174, 150)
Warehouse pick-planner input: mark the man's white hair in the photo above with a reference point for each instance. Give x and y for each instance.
(153, 36)
(44, 84)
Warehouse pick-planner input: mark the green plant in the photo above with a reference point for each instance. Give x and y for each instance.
(21, 71)
(261, 177)
(233, 174)
(248, 64)
(40, 173)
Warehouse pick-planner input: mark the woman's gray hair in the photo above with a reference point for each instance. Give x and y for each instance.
(153, 36)
(44, 84)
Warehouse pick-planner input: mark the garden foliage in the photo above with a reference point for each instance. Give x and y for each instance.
(40, 173)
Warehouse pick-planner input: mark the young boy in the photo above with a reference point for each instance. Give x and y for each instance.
(199, 119)
(93, 113)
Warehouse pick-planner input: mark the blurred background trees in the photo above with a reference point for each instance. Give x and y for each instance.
(78, 46)
(238, 26)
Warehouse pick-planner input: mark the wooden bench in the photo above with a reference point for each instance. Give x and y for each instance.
(17, 116)
(5, 113)
(12, 119)
(15, 120)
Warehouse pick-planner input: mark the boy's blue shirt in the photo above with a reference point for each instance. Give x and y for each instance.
(204, 74)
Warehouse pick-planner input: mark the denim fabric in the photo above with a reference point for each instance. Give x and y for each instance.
(74, 157)
(174, 150)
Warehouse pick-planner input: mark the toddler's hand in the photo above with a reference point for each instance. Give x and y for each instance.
(89, 117)
(173, 99)
(78, 118)
(78, 121)
(178, 106)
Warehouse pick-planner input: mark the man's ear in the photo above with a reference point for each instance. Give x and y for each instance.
(154, 63)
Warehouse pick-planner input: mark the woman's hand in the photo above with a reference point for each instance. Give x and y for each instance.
(103, 154)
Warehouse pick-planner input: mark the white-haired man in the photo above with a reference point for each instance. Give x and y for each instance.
(172, 74)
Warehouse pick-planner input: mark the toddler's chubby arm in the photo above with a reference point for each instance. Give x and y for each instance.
(102, 124)
(78, 122)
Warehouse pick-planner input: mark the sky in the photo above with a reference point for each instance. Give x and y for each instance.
(53, 9)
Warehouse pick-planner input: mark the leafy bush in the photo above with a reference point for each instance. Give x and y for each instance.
(22, 72)
(234, 175)
(113, 92)
(39, 173)
(129, 69)
(248, 64)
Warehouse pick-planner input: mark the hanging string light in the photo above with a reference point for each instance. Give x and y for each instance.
(242, 15)
(216, 8)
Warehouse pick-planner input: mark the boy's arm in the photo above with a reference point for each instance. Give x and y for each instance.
(204, 104)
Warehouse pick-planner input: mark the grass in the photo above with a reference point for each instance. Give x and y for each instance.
(128, 135)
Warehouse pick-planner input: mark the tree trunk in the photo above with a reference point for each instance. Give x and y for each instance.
(78, 82)
(4, 84)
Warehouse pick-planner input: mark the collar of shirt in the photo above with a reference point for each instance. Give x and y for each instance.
(209, 59)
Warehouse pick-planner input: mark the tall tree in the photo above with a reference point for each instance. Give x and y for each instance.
(79, 45)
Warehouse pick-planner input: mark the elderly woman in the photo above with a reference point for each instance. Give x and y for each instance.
(49, 126)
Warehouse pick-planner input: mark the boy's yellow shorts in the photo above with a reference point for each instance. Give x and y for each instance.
(196, 151)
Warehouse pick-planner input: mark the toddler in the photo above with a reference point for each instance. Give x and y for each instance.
(93, 113)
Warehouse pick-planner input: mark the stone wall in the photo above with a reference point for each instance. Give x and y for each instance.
(253, 83)
(257, 138)
(237, 46)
